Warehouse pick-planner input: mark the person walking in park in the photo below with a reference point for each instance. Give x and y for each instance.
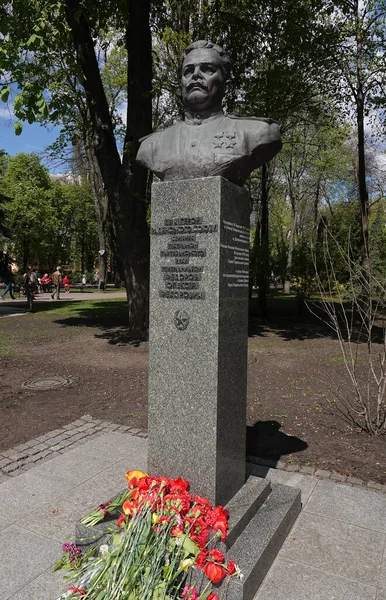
(57, 280)
(31, 282)
(67, 284)
(8, 282)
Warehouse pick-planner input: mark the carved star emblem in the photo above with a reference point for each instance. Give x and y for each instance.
(230, 139)
(219, 140)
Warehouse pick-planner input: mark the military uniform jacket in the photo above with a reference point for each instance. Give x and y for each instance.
(228, 146)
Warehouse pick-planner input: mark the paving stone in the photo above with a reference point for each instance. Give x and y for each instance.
(338, 477)
(32, 443)
(123, 428)
(281, 465)
(135, 431)
(112, 427)
(8, 453)
(375, 486)
(18, 456)
(349, 504)
(354, 480)
(77, 436)
(21, 447)
(21, 469)
(336, 547)
(47, 585)
(73, 467)
(306, 483)
(293, 468)
(86, 426)
(289, 580)
(4, 462)
(322, 473)
(36, 553)
(307, 470)
(68, 427)
(43, 438)
(10, 468)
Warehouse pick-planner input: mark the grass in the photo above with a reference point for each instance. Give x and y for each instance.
(108, 308)
(6, 345)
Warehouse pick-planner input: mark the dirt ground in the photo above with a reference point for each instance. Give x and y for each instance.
(294, 370)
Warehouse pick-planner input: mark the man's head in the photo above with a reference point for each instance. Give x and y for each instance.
(205, 71)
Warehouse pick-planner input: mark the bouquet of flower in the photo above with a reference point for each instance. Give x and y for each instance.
(162, 533)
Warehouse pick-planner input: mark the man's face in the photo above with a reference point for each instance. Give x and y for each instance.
(202, 81)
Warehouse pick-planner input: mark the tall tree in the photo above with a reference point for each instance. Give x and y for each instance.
(36, 34)
(361, 25)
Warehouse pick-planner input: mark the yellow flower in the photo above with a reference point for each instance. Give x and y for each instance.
(134, 476)
(154, 518)
(185, 564)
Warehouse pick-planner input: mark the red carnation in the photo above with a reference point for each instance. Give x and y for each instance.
(216, 555)
(231, 567)
(178, 485)
(201, 559)
(202, 537)
(213, 597)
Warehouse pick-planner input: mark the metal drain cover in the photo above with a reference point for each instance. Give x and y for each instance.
(47, 383)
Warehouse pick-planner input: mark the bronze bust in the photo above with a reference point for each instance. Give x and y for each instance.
(208, 142)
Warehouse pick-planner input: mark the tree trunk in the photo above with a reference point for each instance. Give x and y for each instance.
(101, 211)
(362, 185)
(124, 183)
(291, 246)
(263, 272)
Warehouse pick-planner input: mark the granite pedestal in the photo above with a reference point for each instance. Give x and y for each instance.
(199, 274)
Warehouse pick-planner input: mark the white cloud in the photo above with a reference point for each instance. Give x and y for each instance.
(6, 112)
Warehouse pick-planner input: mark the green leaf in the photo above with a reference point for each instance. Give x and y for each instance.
(58, 565)
(4, 93)
(18, 127)
(32, 40)
(18, 101)
(190, 547)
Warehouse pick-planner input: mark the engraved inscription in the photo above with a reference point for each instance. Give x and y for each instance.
(182, 280)
(236, 248)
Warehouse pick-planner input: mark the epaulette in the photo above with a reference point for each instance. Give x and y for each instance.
(145, 137)
(263, 119)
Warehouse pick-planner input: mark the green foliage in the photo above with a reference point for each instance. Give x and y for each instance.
(47, 222)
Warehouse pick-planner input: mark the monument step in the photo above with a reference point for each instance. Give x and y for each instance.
(257, 546)
(244, 505)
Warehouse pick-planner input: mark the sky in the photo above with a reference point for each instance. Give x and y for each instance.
(33, 138)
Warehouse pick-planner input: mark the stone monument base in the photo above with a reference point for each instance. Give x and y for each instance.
(261, 515)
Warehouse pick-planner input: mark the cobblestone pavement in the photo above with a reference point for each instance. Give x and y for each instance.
(263, 465)
(25, 456)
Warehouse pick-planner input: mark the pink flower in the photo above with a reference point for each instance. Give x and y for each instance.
(190, 593)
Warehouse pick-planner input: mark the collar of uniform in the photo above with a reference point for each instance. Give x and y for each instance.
(197, 118)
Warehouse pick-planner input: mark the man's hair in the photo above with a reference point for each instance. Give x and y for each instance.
(206, 44)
